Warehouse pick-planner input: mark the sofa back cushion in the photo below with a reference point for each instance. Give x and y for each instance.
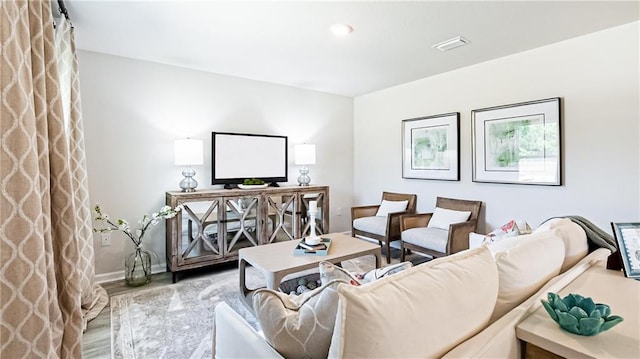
(576, 246)
(525, 263)
(422, 312)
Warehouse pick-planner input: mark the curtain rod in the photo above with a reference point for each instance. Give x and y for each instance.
(63, 9)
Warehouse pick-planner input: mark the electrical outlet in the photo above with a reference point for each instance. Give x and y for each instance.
(105, 239)
(339, 211)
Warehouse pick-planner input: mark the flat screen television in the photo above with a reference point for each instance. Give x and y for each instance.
(238, 156)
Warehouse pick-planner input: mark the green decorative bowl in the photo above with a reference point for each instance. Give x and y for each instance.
(580, 315)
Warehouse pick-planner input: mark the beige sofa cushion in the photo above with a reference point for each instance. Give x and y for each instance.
(298, 326)
(420, 312)
(574, 237)
(526, 264)
(499, 340)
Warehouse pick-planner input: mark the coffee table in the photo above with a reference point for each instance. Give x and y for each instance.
(276, 260)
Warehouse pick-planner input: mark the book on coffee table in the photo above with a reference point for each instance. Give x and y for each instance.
(320, 249)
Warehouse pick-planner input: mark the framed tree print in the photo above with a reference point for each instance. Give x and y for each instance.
(431, 147)
(519, 143)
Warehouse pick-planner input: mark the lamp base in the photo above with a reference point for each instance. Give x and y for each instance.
(304, 178)
(188, 183)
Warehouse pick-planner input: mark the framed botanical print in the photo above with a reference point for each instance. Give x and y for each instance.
(518, 143)
(431, 147)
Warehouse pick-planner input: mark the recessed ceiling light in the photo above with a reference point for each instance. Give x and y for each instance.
(451, 43)
(341, 29)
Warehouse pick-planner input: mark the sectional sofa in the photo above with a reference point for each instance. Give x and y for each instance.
(466, 305)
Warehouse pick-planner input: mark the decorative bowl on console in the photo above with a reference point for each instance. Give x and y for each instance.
(253, 183)
(580, 315)
(253, 186)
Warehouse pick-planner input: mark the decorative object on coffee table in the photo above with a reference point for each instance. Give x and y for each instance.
(138, 263)
(313, 210)
(321, 248)
(580, 315)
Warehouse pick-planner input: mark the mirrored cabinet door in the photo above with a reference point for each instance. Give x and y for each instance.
(241, 223)
(199, 225)
(281, 218)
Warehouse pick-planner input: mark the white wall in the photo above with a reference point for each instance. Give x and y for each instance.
(597, 78)
(134, 110)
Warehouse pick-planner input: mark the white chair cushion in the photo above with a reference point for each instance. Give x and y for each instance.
(425, 237)
(576, 246)
(524, 267)
(443, 217)
(376, 225)
(421, 312)
(387, 207)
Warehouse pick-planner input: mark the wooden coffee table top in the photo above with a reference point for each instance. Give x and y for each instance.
(278, 257)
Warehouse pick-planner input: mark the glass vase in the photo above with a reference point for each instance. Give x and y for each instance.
(137, 268)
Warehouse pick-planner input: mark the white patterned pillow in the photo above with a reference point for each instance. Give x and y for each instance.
(378, 273)
(507, 230)
(298, 326)
(330, 271)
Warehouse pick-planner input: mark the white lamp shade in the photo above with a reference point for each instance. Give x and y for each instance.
(305, 154)
(189, 152)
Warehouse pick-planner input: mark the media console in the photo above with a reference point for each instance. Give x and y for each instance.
(215, 224)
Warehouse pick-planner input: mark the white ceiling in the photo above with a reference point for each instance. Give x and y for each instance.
(289, 43)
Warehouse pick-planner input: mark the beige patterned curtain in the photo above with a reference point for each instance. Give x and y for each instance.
(46, 259)
(94, 297)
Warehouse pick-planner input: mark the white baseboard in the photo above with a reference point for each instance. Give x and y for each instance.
(119, 275)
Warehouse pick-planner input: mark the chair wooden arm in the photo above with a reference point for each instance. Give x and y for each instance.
(364, 211)
(414, 220)
(459, 236)
(393, 223)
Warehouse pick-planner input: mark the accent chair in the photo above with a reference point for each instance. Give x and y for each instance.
(382, 222)
(443, 232)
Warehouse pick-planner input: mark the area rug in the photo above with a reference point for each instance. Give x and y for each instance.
(175, 321)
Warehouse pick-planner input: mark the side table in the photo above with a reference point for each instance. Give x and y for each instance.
(604, 286)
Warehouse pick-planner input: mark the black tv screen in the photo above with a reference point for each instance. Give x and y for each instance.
(238, 156)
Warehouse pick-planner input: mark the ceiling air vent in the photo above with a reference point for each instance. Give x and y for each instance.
(451, 43)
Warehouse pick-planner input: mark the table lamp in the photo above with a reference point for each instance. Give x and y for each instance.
(188, 152)
(305, 155)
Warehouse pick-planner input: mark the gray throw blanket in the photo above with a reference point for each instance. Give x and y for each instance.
(597, 237)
